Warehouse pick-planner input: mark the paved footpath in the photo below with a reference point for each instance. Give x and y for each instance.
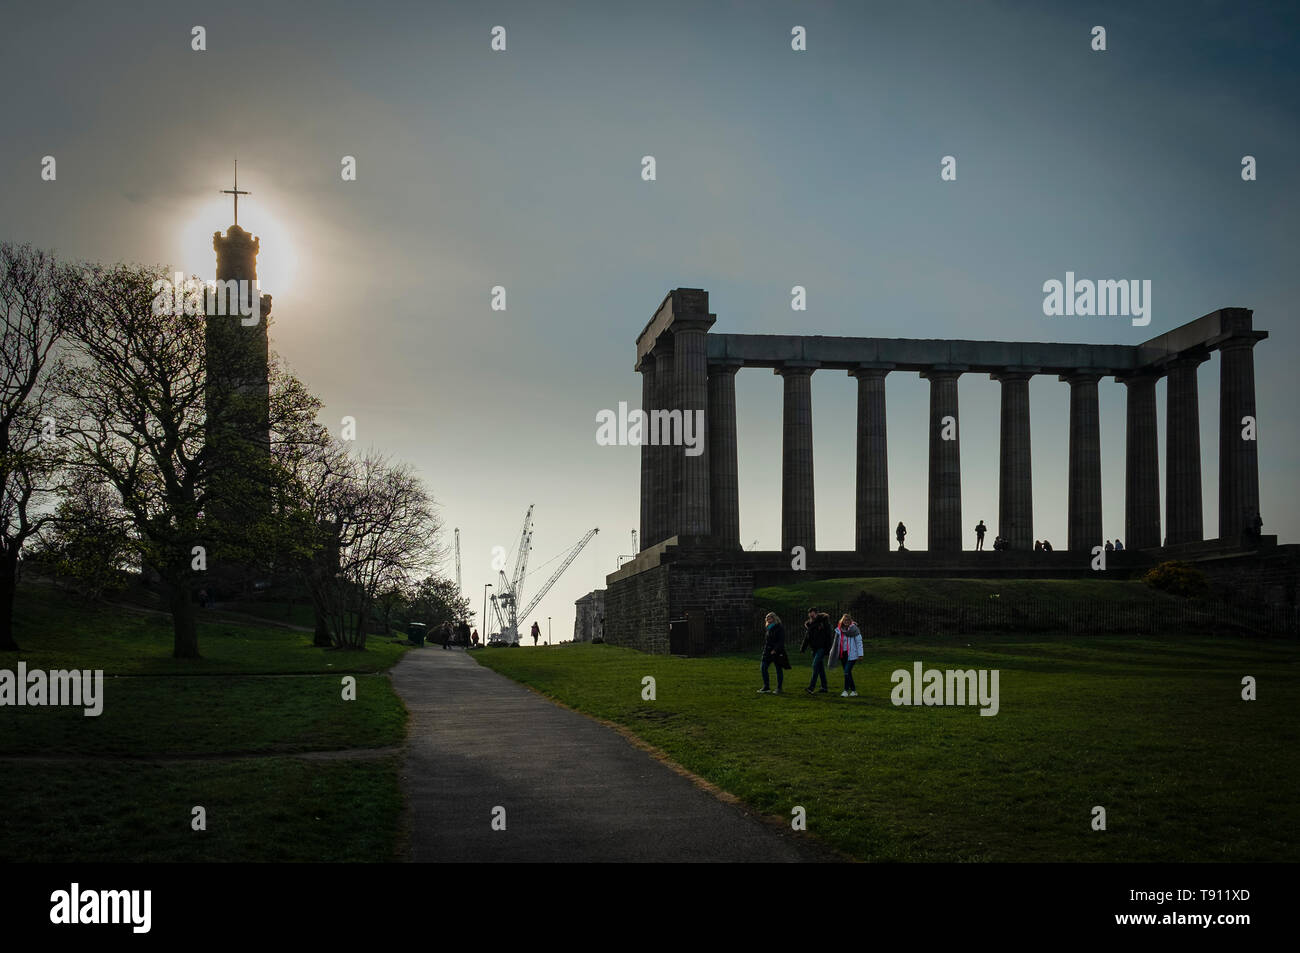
(572, 789)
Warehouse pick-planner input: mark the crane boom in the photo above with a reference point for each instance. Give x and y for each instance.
(521, 558)
(505, 602)
(568, 560)
(459, 589)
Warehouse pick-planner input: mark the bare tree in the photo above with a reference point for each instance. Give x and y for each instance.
(88, 539)
(134, 414)
(140, 413)
(35, 295)
(378, 530)
(315, 470)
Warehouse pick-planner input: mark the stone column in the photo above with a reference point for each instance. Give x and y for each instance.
(1084, 516)
(1015, 467)
(945, 460)
(873, 533)
(798, 511)
(649, 492)
(1238, 456)
(692, 397)
(1183, 504)
(724, 486)
(665, 460)
(1141, 464)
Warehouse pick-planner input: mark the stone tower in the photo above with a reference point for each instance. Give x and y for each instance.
(238, 409)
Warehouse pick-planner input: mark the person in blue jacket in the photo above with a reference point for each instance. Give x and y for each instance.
(817, 636)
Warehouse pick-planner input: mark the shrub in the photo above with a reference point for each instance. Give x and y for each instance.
(1177, 578)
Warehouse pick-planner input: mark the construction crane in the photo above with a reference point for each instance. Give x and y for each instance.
(568, 561)
(459, 591)
(506, 601)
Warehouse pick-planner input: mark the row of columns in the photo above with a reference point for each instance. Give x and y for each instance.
(698, 496)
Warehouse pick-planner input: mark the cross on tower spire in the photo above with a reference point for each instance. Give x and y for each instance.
(236, 192)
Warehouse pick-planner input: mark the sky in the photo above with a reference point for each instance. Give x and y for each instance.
(522, 168)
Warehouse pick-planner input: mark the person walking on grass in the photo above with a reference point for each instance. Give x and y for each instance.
(848, 649)
(817, 636)
(774, 653)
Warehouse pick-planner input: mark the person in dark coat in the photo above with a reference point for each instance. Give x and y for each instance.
(901, 534)
(817, 636)
(774, 652)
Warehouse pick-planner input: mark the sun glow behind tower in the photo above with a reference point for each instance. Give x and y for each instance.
(277, 261)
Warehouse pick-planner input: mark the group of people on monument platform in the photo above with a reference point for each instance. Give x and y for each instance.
(1001, 542)
(841, 644)
(1252, 532)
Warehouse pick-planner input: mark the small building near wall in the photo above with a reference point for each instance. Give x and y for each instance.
(589, 617)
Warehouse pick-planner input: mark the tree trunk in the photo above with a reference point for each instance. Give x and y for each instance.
(322, 638)
(185, 634)
(8, 586)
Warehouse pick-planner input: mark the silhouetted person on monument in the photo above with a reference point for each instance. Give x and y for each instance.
(900, 533)
(1255, 527)
(1047, 547)
(1038, 545)
(1110, 547)
(980, 530)
(1119, 546)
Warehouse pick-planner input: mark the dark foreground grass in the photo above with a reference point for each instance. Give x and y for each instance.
(69, 799)
(272, 809)
(222, 714)
(1155, 731)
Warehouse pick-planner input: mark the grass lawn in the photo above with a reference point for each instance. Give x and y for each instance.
(174, 715)
(56, 630)
(1152, 730)
(257, 690)
(273, 809)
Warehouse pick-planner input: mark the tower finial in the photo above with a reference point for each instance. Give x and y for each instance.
(236, 192)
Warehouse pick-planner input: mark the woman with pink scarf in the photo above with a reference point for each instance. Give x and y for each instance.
(847, 650)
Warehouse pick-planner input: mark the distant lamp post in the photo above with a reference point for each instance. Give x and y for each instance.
(486, 587)
(548, 630)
